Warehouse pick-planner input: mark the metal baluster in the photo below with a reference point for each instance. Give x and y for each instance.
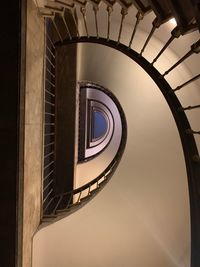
(49, 134)
(51, 153)
(109, 10)
(52, 84)
(51, 200)
(190, 107)
(190, 131)
(49, 103)
(156, 24)
(83, 11)
(139, 17)
(67, 28)
(175, 34)
(50, 72)
(48, 195)
(58, 203)
(52, 143)
(48, 37)
(48, 59)
(68, 203)
(49, 114)
(47, 176)
(51, 181)
(79, 197)
(73, 12)
(48, 164)
(124, 12)
(195, 48)
(186, 83)
(96, 9)
(56, 28)
(50, 51)
(89, 189)
(50, 123)
(48, 92)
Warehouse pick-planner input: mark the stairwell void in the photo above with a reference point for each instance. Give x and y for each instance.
(75, 25)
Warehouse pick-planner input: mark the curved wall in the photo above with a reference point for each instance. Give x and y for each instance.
(141, 218)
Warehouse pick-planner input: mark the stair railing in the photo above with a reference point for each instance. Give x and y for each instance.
(63, 203)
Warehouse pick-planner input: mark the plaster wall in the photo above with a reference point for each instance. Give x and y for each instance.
(141, 218)
(33, 130)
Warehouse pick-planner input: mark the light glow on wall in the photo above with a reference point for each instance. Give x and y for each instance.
(173, 21)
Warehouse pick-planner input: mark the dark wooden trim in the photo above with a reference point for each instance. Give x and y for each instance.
(11, 82)
(21, 122)
(65, 122)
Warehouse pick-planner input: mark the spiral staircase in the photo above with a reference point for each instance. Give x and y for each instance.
(67, 22)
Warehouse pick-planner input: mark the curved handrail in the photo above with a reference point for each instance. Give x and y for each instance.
(106, 174)
(191, 152)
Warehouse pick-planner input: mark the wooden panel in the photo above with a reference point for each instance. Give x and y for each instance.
(65, 117)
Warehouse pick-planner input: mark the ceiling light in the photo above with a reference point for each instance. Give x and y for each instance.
(173, 21)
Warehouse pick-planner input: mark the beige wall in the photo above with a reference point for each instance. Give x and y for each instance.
(33, 130)
(142, 216)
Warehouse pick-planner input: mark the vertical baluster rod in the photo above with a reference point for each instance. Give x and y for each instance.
(79, 197)
(89, 189)
(139, 17)
(109, 10)
(186, 83)
(190, 107)
(50, 51)
(83, 11)
(46, 32)
(44, 200)
(56, 28)
(48, 92)
(155, 24)
(190, 131)
(68, 203)
(124, 12)
(58, 203)
(195, 48)
(50, 72)
(178, 62)
(48, 37)
(96, 9)
(66, 26)
(175, 34)
(52, 84)
(50, 62)
(73, 12)
(51, 200)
